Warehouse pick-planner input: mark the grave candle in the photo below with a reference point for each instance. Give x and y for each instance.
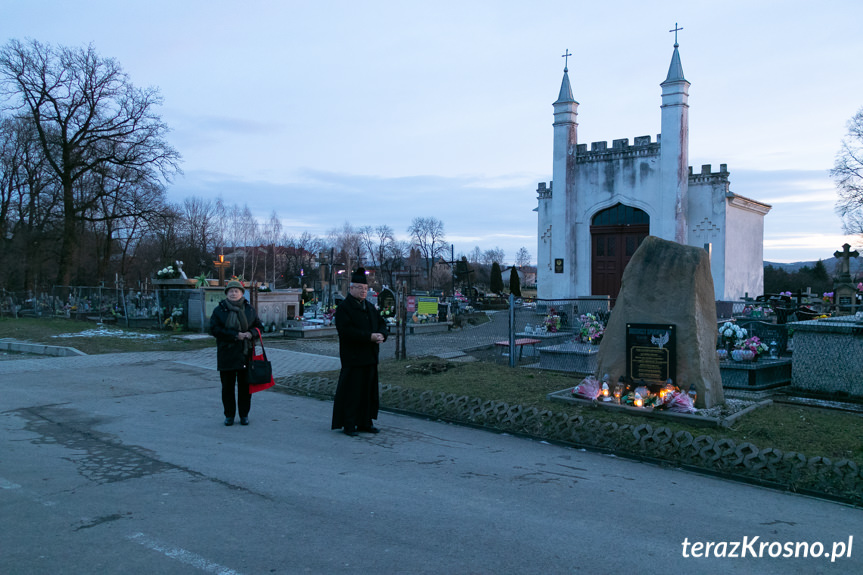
(605, 392)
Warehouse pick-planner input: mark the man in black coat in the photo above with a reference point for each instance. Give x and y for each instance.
(361, 331)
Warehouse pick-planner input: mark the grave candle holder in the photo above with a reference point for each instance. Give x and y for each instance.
(606, 393)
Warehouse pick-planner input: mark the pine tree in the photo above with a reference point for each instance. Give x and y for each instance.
(514, 282)
(496, 280)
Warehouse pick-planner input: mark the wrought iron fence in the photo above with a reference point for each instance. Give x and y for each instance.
(154, 309)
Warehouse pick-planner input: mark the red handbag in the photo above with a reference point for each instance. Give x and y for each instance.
(259, 364)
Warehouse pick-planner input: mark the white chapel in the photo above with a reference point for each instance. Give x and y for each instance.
(602, 202)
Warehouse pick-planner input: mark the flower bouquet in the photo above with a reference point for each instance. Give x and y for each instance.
(752, 344)
(731, 333)
(587, 389)
(591, 330)
(552, 321)
(168, 273)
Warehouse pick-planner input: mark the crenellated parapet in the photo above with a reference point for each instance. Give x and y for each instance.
(599, 151)
(707, 176)
(543, 192)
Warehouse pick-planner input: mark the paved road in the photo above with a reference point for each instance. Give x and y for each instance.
(120, 464)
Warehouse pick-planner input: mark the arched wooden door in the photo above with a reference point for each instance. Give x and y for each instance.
(615, 234)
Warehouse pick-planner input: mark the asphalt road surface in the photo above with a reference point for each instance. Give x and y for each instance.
(121, 464)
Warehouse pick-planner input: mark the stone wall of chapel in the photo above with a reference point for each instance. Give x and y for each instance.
(707, 220)
(744, 248)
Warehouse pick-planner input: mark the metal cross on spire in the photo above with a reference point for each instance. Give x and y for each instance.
(675, 30)
(566, 59)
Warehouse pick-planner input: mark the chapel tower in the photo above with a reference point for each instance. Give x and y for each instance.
(674, 153)
(566, 198)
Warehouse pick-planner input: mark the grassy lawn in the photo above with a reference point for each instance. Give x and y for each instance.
(808, 430)
(91, 338)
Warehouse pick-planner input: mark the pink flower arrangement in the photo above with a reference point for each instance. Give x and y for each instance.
(753, 344)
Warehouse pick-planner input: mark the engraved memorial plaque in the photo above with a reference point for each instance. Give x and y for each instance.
(651, 352)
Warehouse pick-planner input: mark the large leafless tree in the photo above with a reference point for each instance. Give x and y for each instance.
(847, 172)
(428, 237)
(522, 257)
(88, 116)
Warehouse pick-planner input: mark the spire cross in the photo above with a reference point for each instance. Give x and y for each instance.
(675, 30)
(566, 59)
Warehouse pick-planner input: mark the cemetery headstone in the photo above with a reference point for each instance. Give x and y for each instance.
(844, 290)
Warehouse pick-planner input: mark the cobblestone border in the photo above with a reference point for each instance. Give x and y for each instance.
(841, 480)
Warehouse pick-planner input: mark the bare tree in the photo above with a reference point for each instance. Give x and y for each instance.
(847, 172)
(87, 115)
(249, 238)
(220, 225)
(376, 243)
(475, 255)
(235, 236)
(300, 251)
(427, 236)
(348, 245)
(393, 259)
(273, 233)
(368, 243)
(28, 199)
(493, 255)
(199, 228)
(111, 199)
(522, 257)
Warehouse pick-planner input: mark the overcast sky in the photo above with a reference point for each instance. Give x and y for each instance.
(376, 112)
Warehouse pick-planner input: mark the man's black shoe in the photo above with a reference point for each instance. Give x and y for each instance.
(244, 421)
(370, 429)
(350, 432)
(229, 421)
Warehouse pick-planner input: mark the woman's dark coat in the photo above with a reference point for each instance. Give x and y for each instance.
(356, 400)
(230, 354)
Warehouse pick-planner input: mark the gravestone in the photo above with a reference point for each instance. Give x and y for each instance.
(668, 284)
(844, 290)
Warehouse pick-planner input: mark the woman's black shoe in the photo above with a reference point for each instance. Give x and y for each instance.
(244, 421)
(229, 421)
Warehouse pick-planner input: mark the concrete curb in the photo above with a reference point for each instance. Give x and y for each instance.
(39, 348)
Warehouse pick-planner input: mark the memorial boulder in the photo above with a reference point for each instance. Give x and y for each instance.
(667, 284)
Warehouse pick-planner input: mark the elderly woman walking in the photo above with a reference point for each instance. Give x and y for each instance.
(232, 325)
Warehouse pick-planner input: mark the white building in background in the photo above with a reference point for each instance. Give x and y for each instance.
(605, 200)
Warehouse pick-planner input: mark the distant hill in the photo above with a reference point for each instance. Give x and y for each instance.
(829, 264)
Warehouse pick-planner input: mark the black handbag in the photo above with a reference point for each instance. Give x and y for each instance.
(260, 371)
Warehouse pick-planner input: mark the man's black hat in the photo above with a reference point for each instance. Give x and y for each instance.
(359, 276)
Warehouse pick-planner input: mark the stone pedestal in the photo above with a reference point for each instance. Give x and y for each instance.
(828, 354)
(755, 375)
(420, 328)
(574, 357)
